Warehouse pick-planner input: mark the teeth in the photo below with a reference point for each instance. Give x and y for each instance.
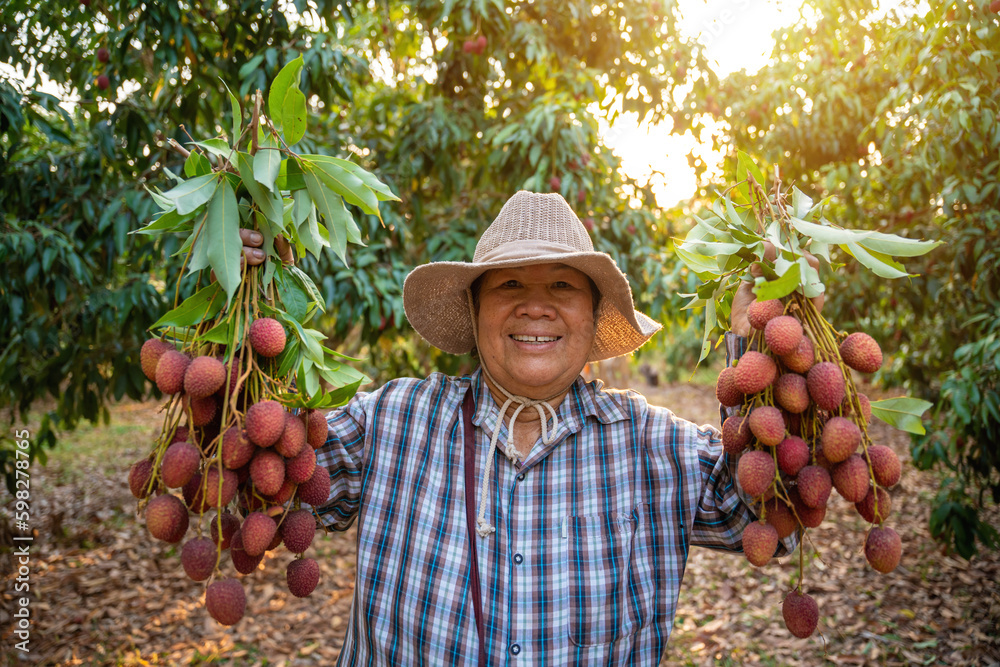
(534, 339)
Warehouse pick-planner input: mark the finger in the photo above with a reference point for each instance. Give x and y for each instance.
(251, 237)
(284, 250)
(770, 252)
(818, 302)
(254, 256)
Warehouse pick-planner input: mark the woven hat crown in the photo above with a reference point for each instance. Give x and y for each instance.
(535, 217)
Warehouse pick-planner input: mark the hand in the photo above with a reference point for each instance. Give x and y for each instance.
(739, 324)
(252, 253)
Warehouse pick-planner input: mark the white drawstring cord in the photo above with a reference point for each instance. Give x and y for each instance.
(482, 525)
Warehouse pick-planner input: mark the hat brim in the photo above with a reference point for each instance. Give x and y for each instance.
(434, 299)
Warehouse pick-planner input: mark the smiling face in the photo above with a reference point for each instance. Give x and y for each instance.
(536, 327)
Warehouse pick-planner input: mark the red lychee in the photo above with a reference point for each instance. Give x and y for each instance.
(883, 548)
(793, 455)
(759, 313)
(138, 478)
(861, 352)
(150, 355)
(801, 614)
(725, 388)
(814, 486)
(841, 438)
(780, 516)
(735, 434)
(298, 530)
(267, 337)
(170, 371)
(317, 428)
(791, 393)
(300, 468)
(204, 376)
(265, 422)
(783, 334)
(767, 425)
(103, 55)
(293, 437)
(226, 601)
(179, 464)
(760, 541)
(754, 372)
(167, 518)
(302, 576)
(203, 410)
(851, 478)
(257, 531)
(237, 450)
(866, 508)
(811, 517)
(242, 561)
(802, 358)
(755, 472)
(267, 470)
(198, 558)
(316, 490)
(230, 524)
(826, 385)
(885, 465)
(229, 486)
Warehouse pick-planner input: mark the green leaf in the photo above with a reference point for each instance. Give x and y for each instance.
(290, 176)
(711, 320)
(200, 306)
(782, 287)
(697, 263)
(197, 245)
(827, 233)
(801, 204)
(747, 163)
(237, 115)
(224, 244)
(193, 193)
(331, 207)
(294, 298)
(308, 234)
(220, 334)
(902, 413)
(309, 286)
(293, 116)
(898, 246)
(381, 189)
(268, 202)
(216, 147)
(267, 163)
(877, 264)
(285, 79)
(196, 164)
(170, 221)
(344, 183)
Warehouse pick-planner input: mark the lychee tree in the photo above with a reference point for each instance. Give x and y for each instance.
(795, 416)
(247, 377)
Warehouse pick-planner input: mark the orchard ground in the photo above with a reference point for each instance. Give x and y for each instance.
(105, 593)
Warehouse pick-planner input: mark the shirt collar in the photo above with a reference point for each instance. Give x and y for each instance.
(585, 399)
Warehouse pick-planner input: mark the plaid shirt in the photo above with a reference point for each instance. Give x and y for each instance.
(592, 530)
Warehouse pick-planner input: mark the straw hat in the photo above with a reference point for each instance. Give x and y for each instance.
(530, 229)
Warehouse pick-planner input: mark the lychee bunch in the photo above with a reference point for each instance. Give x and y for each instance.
(798, 426)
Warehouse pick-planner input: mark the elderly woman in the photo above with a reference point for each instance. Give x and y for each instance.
(566, 548)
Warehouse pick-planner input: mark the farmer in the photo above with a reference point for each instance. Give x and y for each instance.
(521, 511)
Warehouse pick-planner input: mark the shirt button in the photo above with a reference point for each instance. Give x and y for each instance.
(518, 559)
(515, 649)
(520, 478)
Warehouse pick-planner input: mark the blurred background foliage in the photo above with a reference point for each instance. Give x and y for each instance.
(458, 104)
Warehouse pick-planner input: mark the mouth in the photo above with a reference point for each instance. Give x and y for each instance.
(534, 340)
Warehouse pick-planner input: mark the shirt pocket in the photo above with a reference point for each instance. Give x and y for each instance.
(603, 600)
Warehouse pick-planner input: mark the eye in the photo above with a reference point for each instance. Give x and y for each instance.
(511, 283)
(561, 284)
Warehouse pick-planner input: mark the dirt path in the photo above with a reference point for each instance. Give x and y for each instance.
(104, 593)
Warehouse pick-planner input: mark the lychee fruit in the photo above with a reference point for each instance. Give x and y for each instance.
(866, 508)
(300, 468)
(258, 530)
(735, 434)
(841, 438)
(103, 82)
(293, 437)
(198, 558)
(814, 486)
(317, 428)
(885, 465)
(103, 55)
(755, 472)
(267, 337)
(179, 464)
(267, 470)
(851, 478)
(883, 548)
(237, 450)
(138, 478)
(226, 602)
(783, 334)
(316, 490)
(265, 422)
(861, 352)
(826, 385)
(298, 530)
(801, 614)
(149, 356)
(302, 576)
(229, 485)
(170, 371)
(167, 518)
(759, 313)
(866, 407)
(754, 372)
(760, 541)
(767, 425)
(793, 455)
(725, 388)
(204, 376)
(181, 434)
(203, 410)
(791, 393)
(242, 561)
(284, 494)
(780, 516)
(230, 524)
(811, 517)
(802, 358)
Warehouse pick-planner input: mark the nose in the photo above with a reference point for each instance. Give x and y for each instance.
(536, 305)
